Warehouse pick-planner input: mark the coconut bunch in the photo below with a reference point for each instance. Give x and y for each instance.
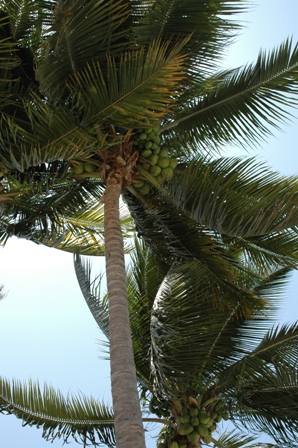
(155, 165)
(191, 425)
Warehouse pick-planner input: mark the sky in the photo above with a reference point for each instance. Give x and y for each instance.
(46, 331)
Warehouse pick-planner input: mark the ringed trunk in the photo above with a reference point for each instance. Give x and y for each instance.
(128, 418)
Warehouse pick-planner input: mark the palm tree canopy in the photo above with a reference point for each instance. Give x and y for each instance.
(86, 96)
(187, 350)
(186, 346)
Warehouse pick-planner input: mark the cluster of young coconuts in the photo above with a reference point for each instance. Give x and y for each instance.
(154, 164)
(191, 425)
(154, 160)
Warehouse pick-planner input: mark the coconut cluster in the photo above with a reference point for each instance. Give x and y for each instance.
(191, 425)
(154, 161)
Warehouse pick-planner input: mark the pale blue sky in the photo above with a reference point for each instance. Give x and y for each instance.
(46, 330)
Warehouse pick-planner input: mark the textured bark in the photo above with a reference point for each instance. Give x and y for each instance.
(128, 417)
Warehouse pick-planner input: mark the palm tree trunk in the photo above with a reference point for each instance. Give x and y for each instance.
(128, 418)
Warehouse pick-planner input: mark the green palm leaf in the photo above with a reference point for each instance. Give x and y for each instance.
(91, 293)
(245, 104)
(155, 72)
(79, 417)
(69, 40)
(207, 24)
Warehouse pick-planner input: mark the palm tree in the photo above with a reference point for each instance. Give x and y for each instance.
(108, 97)
(196, 363)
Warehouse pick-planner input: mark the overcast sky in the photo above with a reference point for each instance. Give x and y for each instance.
(46, 330)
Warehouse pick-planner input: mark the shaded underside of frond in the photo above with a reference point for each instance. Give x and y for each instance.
(79, 417)
(66, 215)
(251, 208)
(76, 36)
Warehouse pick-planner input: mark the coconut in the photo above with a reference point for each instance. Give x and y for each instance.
(163, 162)
(173, 163)
(155, 170)
(203, 430)
(146, 153)
(194, 437)
(164, 152)
(167, 173)
(90, 167)
(145, 189)
(78, 169)
(154, 159)
(174, 444)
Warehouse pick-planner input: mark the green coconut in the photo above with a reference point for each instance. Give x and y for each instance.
(146, 153)
(159, 179)
(212, 427)
(163, 162)
(209, 422)
(155, 148)
(174, 444)
(90, 167)
(217, 418)
(164, 152)
(155, 170)
(167, 173)
(184, 429)
(154, 159)
(146, 166)
(195, 421)
(194, 412)
(207, 438)
(78, 169)
(185, 418)
(194, 437)
(173, 163)
(203, 430)
(145, 189)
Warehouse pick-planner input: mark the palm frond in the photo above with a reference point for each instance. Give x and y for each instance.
(210, 26)
(117, 97)
(69, 47)
(97, 306)
(248, 204)
(79, 417)
(144, 275)
(194, 327)
(247, 103)
(55, 217)
(262, 387)
(28, 18)
(233, 439)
